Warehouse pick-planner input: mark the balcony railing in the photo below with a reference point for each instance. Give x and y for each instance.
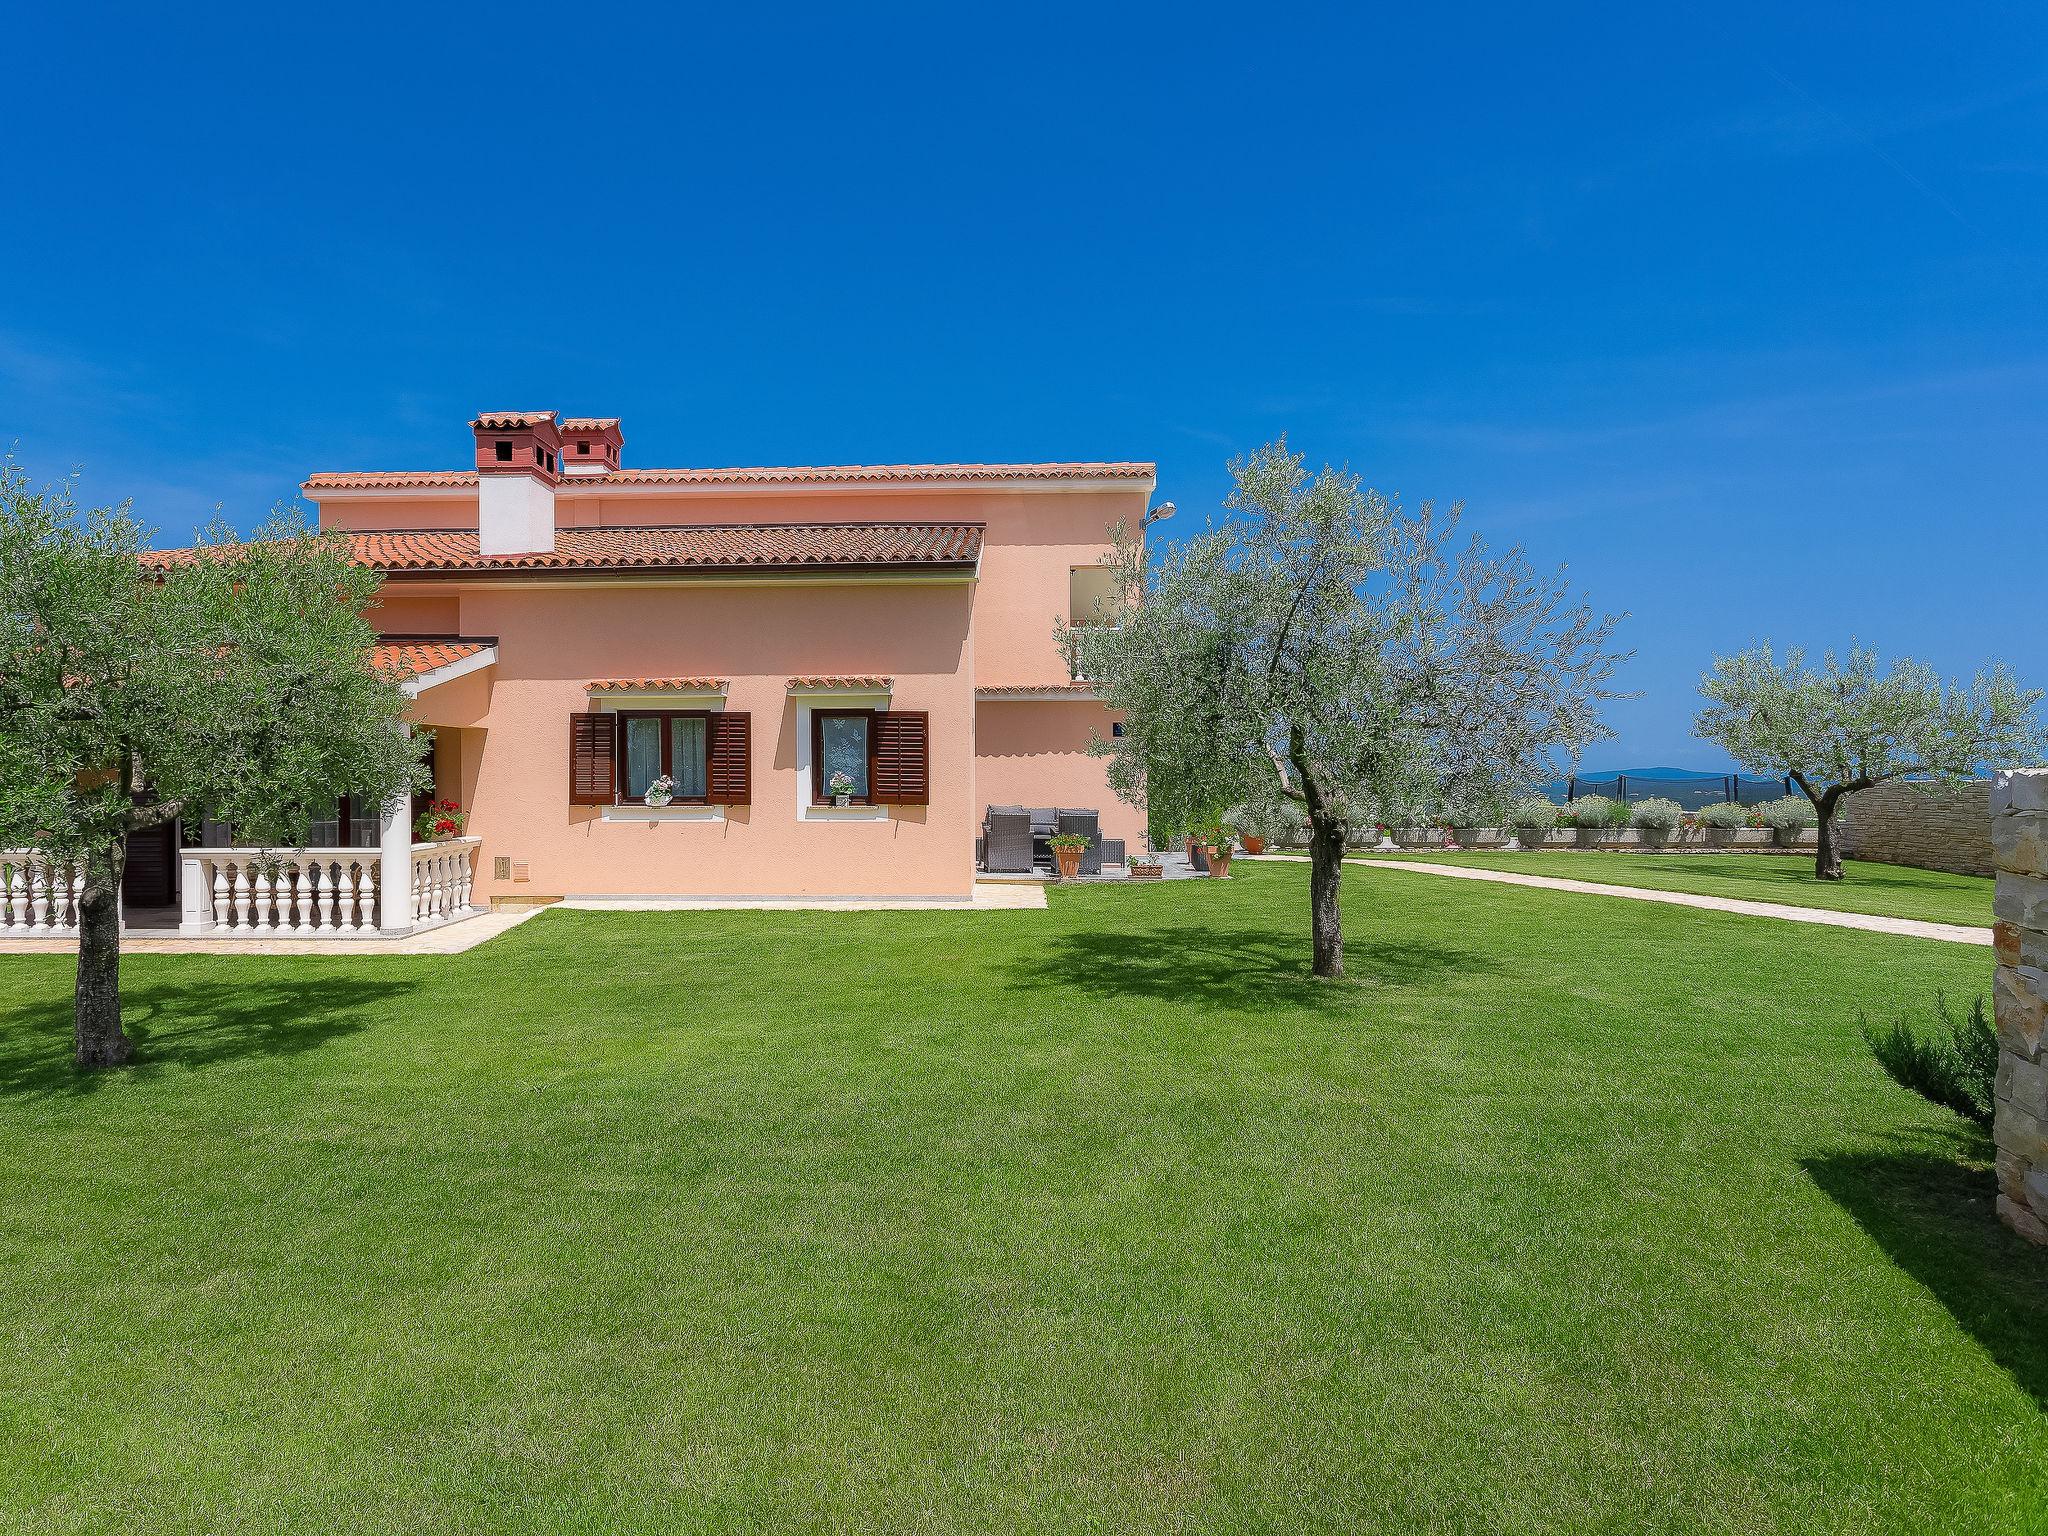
(261, 892)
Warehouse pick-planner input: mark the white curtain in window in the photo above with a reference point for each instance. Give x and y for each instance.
(643, 753)
(686, 751)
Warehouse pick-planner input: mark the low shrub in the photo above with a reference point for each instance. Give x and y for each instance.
(1617, 814)
(1725, 815)
(1587, 811)
(1792, 812)
(1955, 1065)
(1534, 814)
(1657, 815)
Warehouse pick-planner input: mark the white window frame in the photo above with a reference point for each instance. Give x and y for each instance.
(807, 700)
(709, 699)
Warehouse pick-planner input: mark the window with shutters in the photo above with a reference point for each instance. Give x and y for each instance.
(614, 758)
(654, 743)
(842, 742)
(884, 753)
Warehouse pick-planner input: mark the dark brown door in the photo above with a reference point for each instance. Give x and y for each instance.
(150, 879)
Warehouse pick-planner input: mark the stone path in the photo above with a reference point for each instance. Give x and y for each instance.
(1952, 933)
(989, 896)
(449, 939)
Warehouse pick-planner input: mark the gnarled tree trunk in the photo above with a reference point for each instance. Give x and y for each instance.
(1325, 884)
(1827, 860)
(97, 1037)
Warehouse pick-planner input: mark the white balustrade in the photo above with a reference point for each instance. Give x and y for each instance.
(441, 876)
(270, 892)
(39, 895)
(255, 892)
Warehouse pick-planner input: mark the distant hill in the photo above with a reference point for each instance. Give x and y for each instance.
(1652, 773)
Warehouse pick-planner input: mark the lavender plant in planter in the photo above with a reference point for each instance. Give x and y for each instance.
(1592, 815)
(1532, 821)
(1719, 823)
(1788, 819)
(1655, 821)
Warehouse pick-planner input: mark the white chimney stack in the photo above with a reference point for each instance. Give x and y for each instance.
(518, 464)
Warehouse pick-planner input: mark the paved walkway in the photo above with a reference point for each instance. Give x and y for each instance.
(989, 896)
(1952, 933)
(449, 939)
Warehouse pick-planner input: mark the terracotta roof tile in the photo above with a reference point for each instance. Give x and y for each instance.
(842, 682)
(770, 546)
(392, 480)
(1018, 690)
(587, 423)
(505, 421)
(411, 657)
(818, 474)
(658, 685)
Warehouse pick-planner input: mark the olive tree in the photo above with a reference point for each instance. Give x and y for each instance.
(1849, 723)
(1328, 647)
(234, 683)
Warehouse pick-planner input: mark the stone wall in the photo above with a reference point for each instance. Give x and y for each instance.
(2019, 833)
(1929, 826)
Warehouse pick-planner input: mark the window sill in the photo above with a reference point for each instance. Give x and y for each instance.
(661, 813)
(845, 813)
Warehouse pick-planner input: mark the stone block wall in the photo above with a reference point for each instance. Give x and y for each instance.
(2019, 834)
(1929, 826)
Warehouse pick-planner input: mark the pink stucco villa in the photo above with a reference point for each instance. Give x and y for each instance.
(572, 629)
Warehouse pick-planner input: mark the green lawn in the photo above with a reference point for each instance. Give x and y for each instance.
(1099, 1218)
(1885, 890)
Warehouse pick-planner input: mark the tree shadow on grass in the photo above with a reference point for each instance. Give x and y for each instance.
(1229, 967)
(187, 1027)
(1932, 1209)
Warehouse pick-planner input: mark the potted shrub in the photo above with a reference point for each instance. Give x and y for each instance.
(1258, 824)
(840, 787)
(1067, 848)
(1219, 856)
(1656, 820)
(441, 820)
(663, 790)
(1471, 820)
(1532, 820)
(1720, 822)
(1590, 814)
(1788, 819)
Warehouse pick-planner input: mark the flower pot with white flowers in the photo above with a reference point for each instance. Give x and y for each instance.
(840, 788)
(660, 792)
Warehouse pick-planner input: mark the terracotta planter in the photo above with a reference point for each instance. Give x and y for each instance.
(1069, 861)
(1253, 844)
(1146, 871)
(1219, 861)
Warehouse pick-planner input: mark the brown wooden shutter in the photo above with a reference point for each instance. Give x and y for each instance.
(593, 764)
(729, 758)
(902, 767)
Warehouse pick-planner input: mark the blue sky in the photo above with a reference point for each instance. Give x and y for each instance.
(1738, 311)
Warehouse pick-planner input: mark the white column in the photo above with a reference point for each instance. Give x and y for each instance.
(195, 893)
(394, 855)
